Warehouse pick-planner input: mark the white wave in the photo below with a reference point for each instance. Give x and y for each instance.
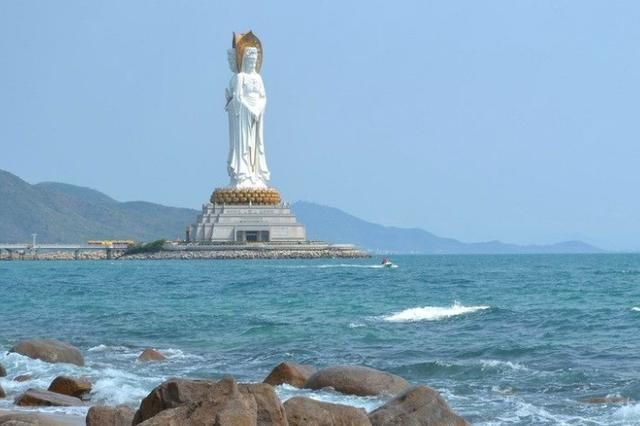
(106, 348)
(433, 313)
(629, 414)
(368, 403)
(353, 265)
(636, 309)
(494, 363)
(172, 353)
(115, 387)
(356, 325)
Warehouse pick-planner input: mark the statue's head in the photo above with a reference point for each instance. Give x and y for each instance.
(231, 57)
(250, 59)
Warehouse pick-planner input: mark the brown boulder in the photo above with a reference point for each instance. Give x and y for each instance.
(49, 351)
(177, 392)
(197, 402)
(356, 380)
(290, 373)
(151, 355)
(236, 411)
(2, 392)
(306, 411)
(78, 387)
(418, 406)
(270, 409)
(3, 371)
(184, 401)
(36, 419)
(42, 398)
(101, 415)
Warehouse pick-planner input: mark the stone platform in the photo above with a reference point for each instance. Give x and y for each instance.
(220, 223)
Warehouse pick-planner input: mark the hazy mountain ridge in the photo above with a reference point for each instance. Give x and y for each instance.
(60, 212)
(334, 225)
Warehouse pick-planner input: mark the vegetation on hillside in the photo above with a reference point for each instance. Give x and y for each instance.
(151, 247)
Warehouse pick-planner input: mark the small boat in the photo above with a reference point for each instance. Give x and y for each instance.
(387, 263)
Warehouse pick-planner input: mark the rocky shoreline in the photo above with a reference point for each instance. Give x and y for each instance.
(221, 252)
(248, 254)
(225, 402)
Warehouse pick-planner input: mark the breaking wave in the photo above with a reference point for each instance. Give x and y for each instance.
(433, 313)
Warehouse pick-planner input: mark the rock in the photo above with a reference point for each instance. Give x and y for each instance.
(306, 411)
(270, 409)
(78, 387)
(356, 380)
(609, 399)
(180, 401)
(172, 394)
(3, 371)
(101, 415)
(151, 355)
(2, 392)
(177, 392)
(23, 378)
(49, 351)
(197, 402)
(42, 398)
(19, 419)
(237, 411)
(418, 406)
(290, 373)
(35, 419)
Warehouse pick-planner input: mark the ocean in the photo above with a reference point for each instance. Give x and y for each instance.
(507, 340)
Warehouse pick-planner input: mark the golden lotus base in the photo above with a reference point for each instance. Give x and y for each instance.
(258, 196)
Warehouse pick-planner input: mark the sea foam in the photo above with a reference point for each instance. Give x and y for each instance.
(433, 313)
(636, 309)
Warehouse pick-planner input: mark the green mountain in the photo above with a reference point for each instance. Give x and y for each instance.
(60, 213)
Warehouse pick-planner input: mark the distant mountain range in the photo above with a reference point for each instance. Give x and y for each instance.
(60, 212)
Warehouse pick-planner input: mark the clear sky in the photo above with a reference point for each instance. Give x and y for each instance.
(478, 120)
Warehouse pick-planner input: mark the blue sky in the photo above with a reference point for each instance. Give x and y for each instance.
(479, 120)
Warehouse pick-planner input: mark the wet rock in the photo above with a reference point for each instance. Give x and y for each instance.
(151, 355)
(201, 402)
(78, 387)
(3, 371)
(2, 392)
(50, 351)
(356, 380)
(23, 378)
(42, 398)
(101, 415)
(270, 410)
(290, 373)
(609, 399)
(418, 406)
(306, 411)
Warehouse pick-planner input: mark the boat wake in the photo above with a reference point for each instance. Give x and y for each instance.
(433, 313)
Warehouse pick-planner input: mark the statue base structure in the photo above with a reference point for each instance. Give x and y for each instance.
(246, 215)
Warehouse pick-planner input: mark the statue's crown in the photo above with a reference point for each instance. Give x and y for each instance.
(240, 42)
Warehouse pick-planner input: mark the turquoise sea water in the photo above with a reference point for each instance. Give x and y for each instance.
(505, 339)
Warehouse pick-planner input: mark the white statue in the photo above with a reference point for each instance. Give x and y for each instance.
(246, 100)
